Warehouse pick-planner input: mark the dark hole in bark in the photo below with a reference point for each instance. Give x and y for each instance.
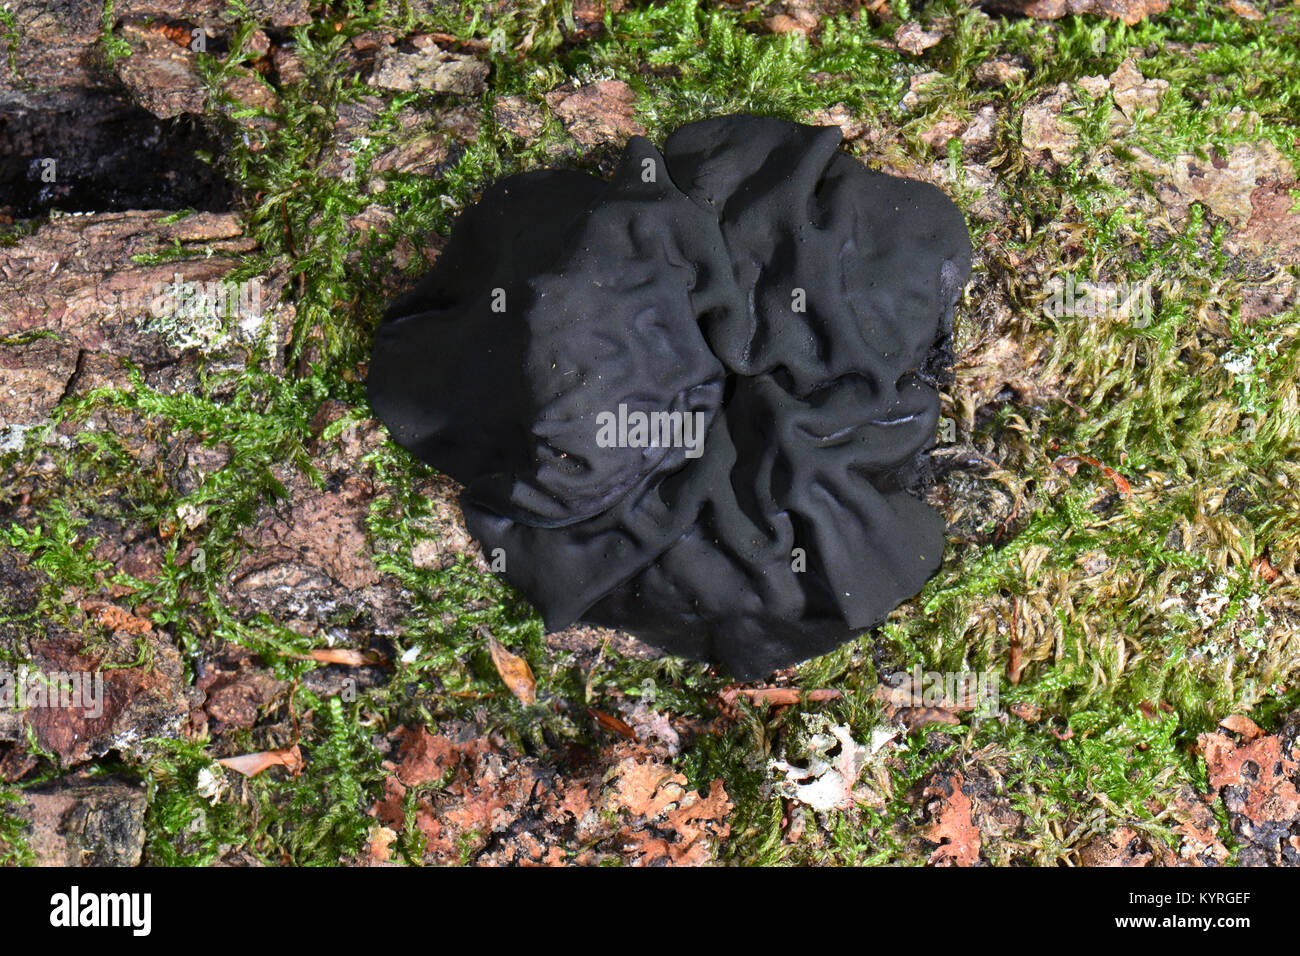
(108, 156)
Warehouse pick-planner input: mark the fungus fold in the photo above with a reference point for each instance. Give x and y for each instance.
(691, 402)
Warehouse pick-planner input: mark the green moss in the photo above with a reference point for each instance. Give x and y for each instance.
(1139, 618)
(112, 45)
(56, 546)
(199, 811)
(15, 849)
(10, 37)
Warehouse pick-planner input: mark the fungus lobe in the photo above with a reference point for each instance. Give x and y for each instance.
(691, 402)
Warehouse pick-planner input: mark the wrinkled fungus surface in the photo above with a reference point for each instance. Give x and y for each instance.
(690, 402)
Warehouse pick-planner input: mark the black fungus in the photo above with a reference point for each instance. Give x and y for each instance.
(689, 402)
